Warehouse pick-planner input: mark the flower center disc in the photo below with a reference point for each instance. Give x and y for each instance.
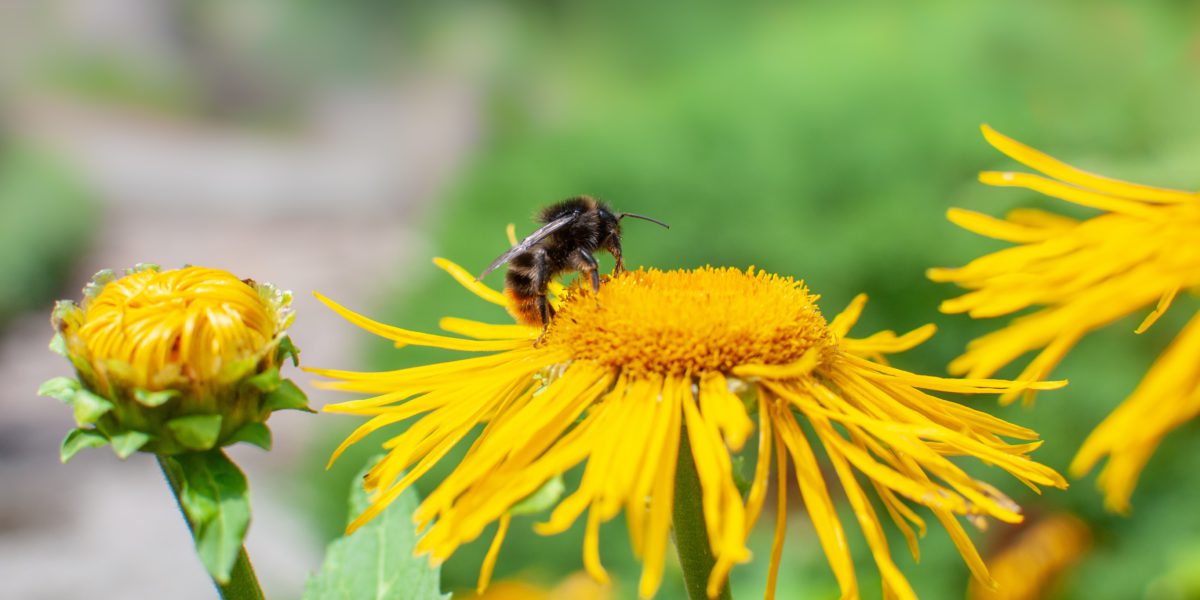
(193, 316)
(690, 321)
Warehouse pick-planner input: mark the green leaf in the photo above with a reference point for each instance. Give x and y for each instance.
(216, 500)
(197, 432)
(78, 439)
(287, 348)
(89, 407)
(62, 389)
(253, 433)
(152, 399)
(125, 444)
(541, 500)
(288, 396)
(266, 381)
(377, 560)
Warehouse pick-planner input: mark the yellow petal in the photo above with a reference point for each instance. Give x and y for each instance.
(1060, 170)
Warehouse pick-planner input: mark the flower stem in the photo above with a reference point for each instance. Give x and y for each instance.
(243, 583)
(691, 535)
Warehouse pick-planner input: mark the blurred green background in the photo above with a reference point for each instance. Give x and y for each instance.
(823, 140)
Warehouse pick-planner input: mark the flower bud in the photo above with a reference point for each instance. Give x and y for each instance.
(173, 361)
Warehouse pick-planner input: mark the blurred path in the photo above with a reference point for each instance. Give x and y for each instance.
(334, 206)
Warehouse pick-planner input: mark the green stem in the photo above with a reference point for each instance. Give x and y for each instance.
(243, 583)
(691, 535)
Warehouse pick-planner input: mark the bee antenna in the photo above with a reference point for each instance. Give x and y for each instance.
(644, 218)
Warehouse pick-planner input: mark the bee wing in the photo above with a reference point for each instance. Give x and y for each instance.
(527, 243)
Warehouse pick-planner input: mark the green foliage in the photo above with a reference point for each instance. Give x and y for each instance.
(46, 219)
(213, 494)
(376, 561)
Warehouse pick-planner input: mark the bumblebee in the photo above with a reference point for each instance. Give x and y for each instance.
(572, 232)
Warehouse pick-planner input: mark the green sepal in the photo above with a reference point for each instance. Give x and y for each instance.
(139, 267)
(196, 432)
(287, 348)
(354, 568)
(78, 439)
(152, 399)
(541, 500)
(89, 407)
(266, 381)
(58, 345)
(102, 278)
(62, 389)
(257, 434)
(216, 500)
(288, 396)
(125, 444)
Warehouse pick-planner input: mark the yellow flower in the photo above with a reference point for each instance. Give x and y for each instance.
(1030, 564)
(624, 377)
(173, 361)
(1082, 275)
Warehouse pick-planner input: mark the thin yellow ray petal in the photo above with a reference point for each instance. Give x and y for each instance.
(1040, 367)
(469, 281)
(873, 469)
(762, 467)
(1033, 217)
(1163, 304)
(708, 471)
(1068, 193)
(886, 342)
(801, 368)
(427, 462)
(896, 510)
(591, 548)
(723, 510)
(361, 432)
(489, 560)
(997, 229)
(817, 501)
(606, 443)
(487, 331)
(966, 548)
(841, 324)
(943, 384)
(781, 510)
(725, 409)
(894, 581)
(1060, 170)
(658, 524)
(1166, 397)
(511, 232)
(404, 337)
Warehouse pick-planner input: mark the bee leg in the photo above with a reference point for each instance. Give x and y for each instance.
(614, 248)
(546, 311)
(544, 308)
(585, 263)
